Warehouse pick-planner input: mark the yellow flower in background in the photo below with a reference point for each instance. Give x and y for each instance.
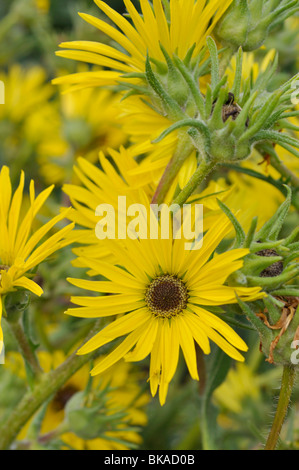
(39, 126)
(183, 24)
(88, 124)
(29, 119)
(43, 5)
(27, 94)
(26, 90)
(163, 293)
(245, 382)
(251, 67)
(122, 393)
(21, 250)
(240, 383)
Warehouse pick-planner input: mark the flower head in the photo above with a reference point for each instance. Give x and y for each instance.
(163, 294)
(21, 250)
(178, 27)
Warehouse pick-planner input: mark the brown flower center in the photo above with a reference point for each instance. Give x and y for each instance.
(166, 296)
(274, 269)
(4, 267)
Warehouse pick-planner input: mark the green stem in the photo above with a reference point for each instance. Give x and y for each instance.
(285, 172)
(25, 348)
(201, 173)
(47, 386)
(183, 151)
(287, 383)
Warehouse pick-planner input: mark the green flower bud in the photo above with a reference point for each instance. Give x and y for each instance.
(78, 132)
(220, 128)
(90, 421)
(247, 23)
(232, 29)
(15, 303)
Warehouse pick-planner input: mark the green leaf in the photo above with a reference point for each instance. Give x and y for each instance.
(254, 320)
(272, 228)
(238, 75)
(250, 235)
(214, 62)
(240, 234)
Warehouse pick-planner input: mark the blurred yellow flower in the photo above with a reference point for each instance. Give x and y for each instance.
(242, 383)
(43, 5)
(88, 123)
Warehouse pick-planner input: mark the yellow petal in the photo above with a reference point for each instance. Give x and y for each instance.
(118, 352)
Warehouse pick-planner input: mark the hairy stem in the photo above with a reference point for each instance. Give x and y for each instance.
(25, 348)
(183, 151)
(201, 173)
(287, 383)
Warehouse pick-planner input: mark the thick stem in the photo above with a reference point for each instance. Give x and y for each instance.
(183, 151)
(201, 173)
(287, 383)
(47, 386)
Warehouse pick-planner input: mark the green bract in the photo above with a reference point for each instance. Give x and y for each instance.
(223, 123)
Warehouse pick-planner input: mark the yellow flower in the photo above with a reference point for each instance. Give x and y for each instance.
(26, 91)
(183, 24)
(123, 395)
(163, 294)
(174, 27)
(20, 250)
(37, 126)
(95, 189)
